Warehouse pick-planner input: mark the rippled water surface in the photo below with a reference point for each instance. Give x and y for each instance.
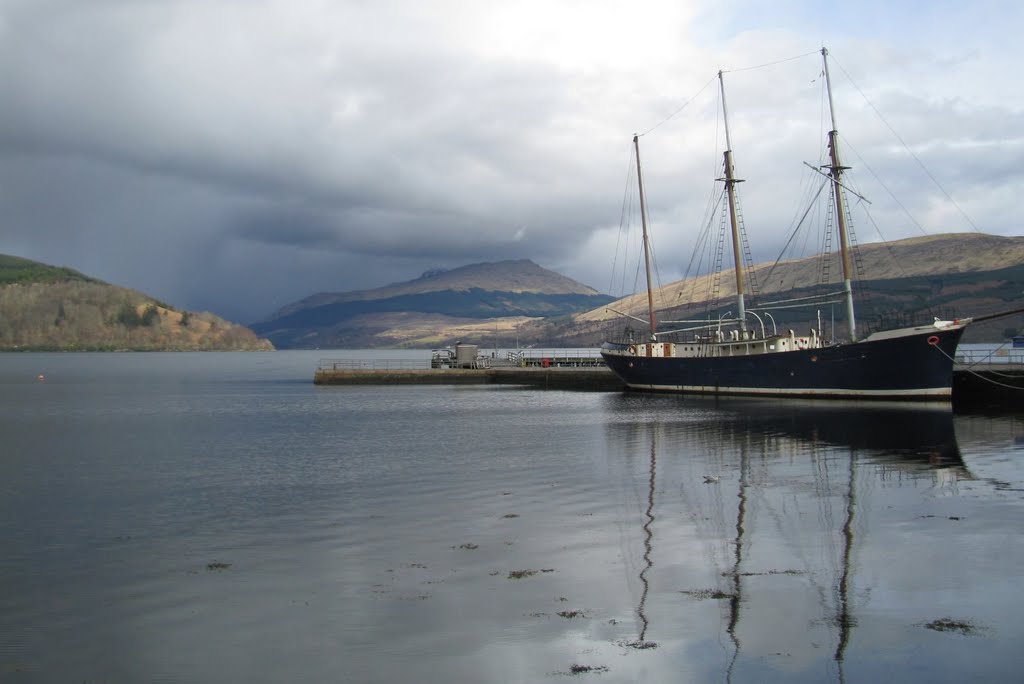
(218, 518)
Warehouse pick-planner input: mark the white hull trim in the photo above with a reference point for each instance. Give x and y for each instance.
(933, 392)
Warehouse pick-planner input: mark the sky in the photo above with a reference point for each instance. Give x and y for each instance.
(235, 156)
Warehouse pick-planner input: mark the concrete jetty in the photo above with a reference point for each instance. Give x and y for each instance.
(592, 379)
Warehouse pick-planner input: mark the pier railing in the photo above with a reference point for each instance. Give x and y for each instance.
(373, 364)
(990, 357)
(571, 358)
(522, 358)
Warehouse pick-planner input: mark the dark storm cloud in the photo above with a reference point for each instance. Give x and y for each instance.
(236, 156)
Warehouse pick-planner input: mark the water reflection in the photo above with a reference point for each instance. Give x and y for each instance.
(781, 498)
(648, 545)
(491, 534)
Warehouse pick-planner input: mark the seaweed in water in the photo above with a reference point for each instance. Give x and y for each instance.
(639, 644)
(520, 574)
(570, 614)
(707, 594)
(950, 625)
(583, 669)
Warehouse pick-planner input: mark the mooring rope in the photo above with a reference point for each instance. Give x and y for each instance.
(989, 356)
(978, 375)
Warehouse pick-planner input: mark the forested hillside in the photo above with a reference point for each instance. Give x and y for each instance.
(50, 308)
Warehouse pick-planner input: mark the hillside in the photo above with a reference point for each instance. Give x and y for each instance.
(15, 270)
(950, 275)
(519, 277)
(436, 308)
(908, 280)
(920, 257)
(57, 309)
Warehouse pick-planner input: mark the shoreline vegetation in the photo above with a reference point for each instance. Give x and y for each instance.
(50, 309)
(92, 316)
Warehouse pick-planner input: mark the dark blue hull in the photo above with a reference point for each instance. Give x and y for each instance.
(915, 363)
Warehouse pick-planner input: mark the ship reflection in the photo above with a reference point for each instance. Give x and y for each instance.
(771, 491)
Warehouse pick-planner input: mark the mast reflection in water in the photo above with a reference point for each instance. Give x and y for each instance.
(764, 508)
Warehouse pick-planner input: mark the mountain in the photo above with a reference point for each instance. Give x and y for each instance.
(916, 279)
(437, 308)
(53, 308)
(515, 303)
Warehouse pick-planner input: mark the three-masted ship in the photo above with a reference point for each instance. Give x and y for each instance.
(749, 359)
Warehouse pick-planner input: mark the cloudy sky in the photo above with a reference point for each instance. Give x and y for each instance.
(236, 155)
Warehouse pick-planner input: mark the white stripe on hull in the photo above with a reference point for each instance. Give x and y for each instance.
(928, 393)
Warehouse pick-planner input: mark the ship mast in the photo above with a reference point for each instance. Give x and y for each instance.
(647, 249)
(836, 171)
(730, 187)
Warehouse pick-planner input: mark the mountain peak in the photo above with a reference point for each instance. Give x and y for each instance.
(526, 265)
(520, 276)
(515, 288)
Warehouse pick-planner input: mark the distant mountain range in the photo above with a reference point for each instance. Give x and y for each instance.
(431, 310)
(51, 308)
(510, 303)
(513, 303)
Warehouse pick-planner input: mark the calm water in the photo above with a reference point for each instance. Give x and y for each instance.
(217, 518)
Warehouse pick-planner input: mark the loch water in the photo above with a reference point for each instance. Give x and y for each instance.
(215, 517)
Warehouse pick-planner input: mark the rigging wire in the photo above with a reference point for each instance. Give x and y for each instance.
(907, 148)
(703, 244)
(892, 195)
(713, 79)
(623, 228)
(796, 230)
(681, 108)
(704, 237)
(886, 244)
(626, 225)
(653, 284)
(768, 64)
(979, 376)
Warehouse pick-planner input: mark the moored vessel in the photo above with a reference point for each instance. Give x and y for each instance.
(746, 355)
